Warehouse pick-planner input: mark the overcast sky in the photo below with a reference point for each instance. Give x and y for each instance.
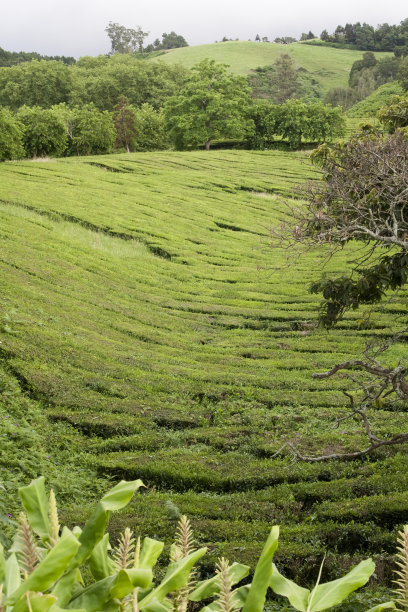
(76, 27)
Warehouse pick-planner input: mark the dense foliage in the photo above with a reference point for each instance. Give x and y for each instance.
(10, 136)
(122, 578)
(11, 58)
(294, 120)
(212, 104)
(384, 37)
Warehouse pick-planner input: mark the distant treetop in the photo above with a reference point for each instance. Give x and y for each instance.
(384, 37)
(12, 58)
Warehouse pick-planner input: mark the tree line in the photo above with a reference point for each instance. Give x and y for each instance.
(366, 75)
(115, 106)
(365, 37)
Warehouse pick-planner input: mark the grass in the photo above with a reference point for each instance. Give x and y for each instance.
(147, 330)
(330, 67)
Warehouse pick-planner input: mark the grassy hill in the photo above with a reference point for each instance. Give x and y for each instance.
(330, 67)
(147, 330)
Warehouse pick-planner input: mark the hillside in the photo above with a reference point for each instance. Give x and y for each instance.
(369, 107)
(142, 312)
(330, 67)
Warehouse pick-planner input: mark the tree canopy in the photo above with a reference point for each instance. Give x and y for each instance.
(125, 40)
(213, 104)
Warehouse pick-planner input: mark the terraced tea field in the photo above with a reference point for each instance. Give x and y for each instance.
(141, 307)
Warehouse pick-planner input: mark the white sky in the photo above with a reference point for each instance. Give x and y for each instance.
(76, 27)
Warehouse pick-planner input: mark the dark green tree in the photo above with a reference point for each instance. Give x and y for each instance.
(93, 131)
(44, 132)
(124, 121)
(213, 104)
(36, 83)
(403, 73)
(172, 41)
(150, 129)
(11, 136)
(284, 79)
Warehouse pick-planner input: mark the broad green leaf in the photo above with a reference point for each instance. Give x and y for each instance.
(100, 564)
(332, 593)
(298, 596)
(12, 576)
(390, 605)
(208, 588)
(94, 597)
(240, 596)
(38, 603)
(257, 593)
(150, 552)
(35, 503)
(127, 580)
(159, 606)
(51, 568)
(176, 577)
(2, 564)
(63, 590)
(94, 530)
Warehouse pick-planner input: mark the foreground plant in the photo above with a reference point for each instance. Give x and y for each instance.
(43, 568)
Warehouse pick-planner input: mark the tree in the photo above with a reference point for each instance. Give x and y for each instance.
(213, 104)
(172, 41)
(36, 83)
(125, 40)
(403, 74)
(124, 122)
(150, 129)
(395, 115)
(44, 132)
(103, 82)
(11, 136)
(362, 198)
(93, 131)
(285, 78)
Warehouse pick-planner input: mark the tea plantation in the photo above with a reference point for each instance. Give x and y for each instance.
(148, 331)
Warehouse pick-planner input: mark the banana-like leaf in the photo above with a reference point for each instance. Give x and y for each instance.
(38, 603)
(51, 568)
(63, 590)
(159, 606)
(176, 577)
(298, 596)
(35, 503)
(100, 564)
(390, 605)
(257, 593)
(239, 596)
(100, 593)
(12, 577)
(150, 552)
(56, 608)
(210, 587)
(94, 530)
(333, 593)
(2, 565)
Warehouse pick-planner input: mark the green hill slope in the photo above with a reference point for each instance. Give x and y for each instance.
(330, 67)
(142, 310)
(370, 106)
